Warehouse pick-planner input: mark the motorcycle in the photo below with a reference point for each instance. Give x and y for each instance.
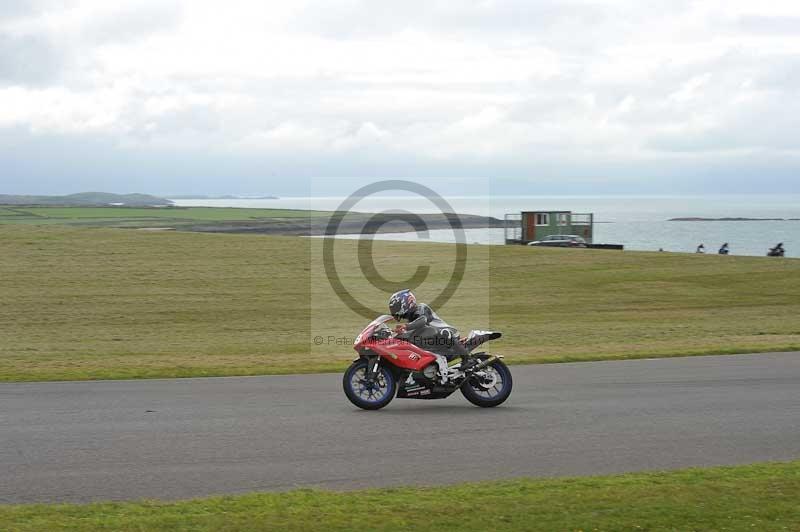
(390, 366)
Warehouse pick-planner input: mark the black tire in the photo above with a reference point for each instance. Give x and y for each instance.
(384, 372)
(470, 389)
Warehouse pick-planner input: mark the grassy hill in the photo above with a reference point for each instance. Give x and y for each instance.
(87, 198)
(171, 216)
(84, 303)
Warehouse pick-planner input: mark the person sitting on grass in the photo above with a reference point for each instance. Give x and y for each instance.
(701, 249)
(724, 250)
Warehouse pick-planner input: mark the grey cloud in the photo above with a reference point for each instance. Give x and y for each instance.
(29, 60)
(74, 164)
(133, 23)
(547, 123)
(18, 8)
(782, 73)
(770, 25)
(195, 120)
(87, 163)
(761, 127)
(572, 26)
(375, 16)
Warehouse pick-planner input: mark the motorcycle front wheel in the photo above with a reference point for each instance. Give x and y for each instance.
(491, 390)
(369, 396)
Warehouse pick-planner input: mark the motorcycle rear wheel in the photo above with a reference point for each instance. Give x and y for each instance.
(357, 391)
(491, 397)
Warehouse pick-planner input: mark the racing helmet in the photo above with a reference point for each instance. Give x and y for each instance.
(402, 303)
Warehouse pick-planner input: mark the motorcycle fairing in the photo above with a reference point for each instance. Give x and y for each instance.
(365, 335)
(402, 353)
(416, 386)
(476, 338)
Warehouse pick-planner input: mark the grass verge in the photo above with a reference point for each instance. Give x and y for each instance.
(754, 497)
(97, 303)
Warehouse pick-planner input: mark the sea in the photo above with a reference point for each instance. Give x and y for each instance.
(637, 222)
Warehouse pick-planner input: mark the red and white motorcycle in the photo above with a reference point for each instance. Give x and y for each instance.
(389, 366)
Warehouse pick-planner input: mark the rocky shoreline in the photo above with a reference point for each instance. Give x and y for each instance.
(352, 223)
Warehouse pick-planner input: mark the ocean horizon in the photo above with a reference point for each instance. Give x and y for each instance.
(637, 222)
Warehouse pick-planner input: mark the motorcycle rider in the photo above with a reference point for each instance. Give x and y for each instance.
(425, 328)
(777, 251)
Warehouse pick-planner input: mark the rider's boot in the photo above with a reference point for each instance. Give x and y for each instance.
(441, 360)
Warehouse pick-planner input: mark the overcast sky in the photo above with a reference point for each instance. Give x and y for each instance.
(536, 97)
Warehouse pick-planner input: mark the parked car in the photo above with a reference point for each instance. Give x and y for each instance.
(560, 241)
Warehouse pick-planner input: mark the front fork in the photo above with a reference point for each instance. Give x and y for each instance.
(372, 368)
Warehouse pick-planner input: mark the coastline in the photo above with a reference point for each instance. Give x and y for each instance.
(349, 224)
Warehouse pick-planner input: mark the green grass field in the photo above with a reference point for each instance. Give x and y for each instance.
(96, 303)
(145, 216)
(754, 497)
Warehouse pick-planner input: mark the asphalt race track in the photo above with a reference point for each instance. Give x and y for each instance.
(173, 439)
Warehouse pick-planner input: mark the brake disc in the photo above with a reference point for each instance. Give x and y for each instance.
(487, 378)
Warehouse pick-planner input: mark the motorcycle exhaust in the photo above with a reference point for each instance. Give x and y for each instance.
(484, 363)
